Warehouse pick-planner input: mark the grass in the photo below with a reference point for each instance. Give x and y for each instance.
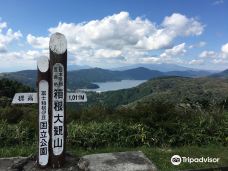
(159, 156)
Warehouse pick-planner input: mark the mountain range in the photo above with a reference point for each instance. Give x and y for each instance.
(223, 74)
(84, 78)
(163, 67)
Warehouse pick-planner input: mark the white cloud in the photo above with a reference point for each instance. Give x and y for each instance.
(202, 44)
(113, 32)
(220, 57)
(38, 42)
(2, 26)
(7, 36)
(176, 51)
(218, 2)
(150, 60)
(208, 54)
(181, 25)
(198, 45)
(20, 60)
(196, 62)
(224, 50)
(115, 39)
(2, 48)
(218, 61)
(121, 37)
(106, 53)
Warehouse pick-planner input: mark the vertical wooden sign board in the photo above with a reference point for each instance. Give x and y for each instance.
(43, 122)
(58, 72)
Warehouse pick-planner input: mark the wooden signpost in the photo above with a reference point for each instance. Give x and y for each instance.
(51, 98)
(58, 66)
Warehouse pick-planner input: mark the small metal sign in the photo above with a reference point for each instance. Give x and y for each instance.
(76, 97)
(23, 98)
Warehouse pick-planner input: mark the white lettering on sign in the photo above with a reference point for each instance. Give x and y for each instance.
(43, 123)
(76, 97)
(58, 109)
(21, 98)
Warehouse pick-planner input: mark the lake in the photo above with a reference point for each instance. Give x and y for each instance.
(116, 85)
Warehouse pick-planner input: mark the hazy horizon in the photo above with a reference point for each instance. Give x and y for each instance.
(17, 69)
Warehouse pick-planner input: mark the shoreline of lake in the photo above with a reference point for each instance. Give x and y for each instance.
(115, 85)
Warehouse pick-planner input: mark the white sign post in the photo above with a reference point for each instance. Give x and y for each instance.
(43, 119)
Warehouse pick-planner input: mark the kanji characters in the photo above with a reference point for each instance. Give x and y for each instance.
(58, 118)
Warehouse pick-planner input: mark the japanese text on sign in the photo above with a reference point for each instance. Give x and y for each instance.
(58, 109)
(43, 123)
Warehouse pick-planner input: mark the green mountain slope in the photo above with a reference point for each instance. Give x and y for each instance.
(223, 74)
(7, 90)
(176, 90)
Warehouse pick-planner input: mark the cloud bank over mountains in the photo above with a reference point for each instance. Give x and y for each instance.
(117, 39)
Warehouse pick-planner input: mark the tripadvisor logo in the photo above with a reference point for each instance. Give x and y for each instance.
(176, 160)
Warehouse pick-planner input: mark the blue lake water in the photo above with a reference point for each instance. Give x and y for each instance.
(116, 85)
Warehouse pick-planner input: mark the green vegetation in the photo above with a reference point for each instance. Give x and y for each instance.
(162, 117)
(159, 131)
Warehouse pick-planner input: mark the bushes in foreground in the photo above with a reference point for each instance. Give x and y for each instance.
(122, 134)
(95, 134)
(157, 123)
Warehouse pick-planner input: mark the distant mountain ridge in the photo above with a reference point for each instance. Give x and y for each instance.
(163, 67)
(84, 78)
(73, 67)
(223, 74)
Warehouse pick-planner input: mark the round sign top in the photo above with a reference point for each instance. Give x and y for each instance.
(43, 64)
(58, 43)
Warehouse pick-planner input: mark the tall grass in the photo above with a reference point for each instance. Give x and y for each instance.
(124, 134)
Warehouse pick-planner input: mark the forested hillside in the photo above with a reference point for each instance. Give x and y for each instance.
(202, 91)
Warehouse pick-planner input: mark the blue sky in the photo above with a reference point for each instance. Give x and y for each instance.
(109, 34)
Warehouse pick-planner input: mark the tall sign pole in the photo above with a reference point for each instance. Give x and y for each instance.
(43, 121)
(58, 72)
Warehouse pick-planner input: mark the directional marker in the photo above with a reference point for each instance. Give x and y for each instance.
(23, 98)
(77, 97)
